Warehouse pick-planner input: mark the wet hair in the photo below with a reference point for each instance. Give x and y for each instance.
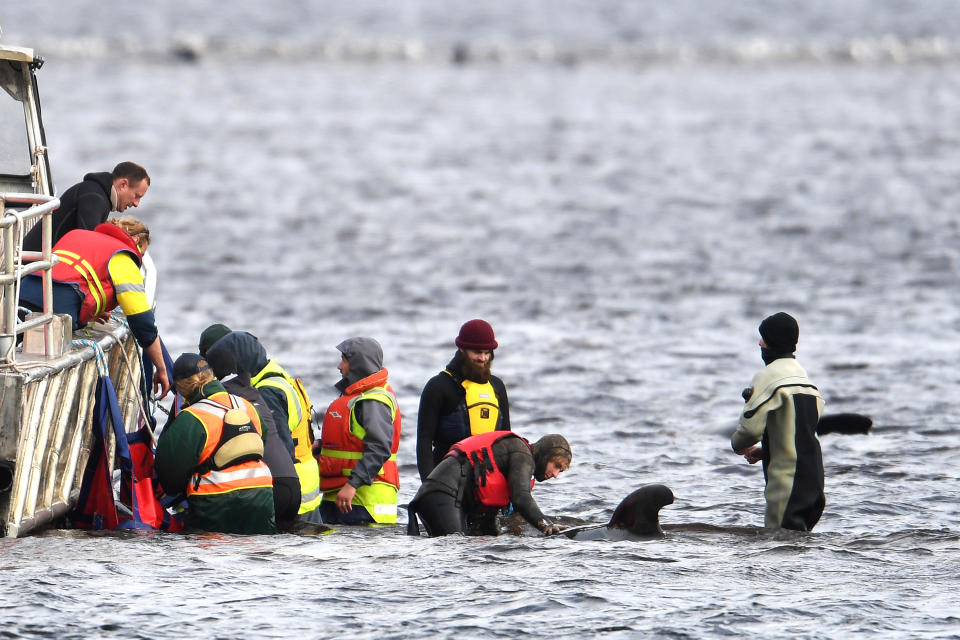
(547, 449)
(131, 171)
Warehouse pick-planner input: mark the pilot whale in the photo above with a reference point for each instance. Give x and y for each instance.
(637, 516)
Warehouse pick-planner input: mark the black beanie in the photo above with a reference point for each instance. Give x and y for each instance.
(780, 332)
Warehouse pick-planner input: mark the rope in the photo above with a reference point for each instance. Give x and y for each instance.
(130, 371)
(104, 370)
(99, 356)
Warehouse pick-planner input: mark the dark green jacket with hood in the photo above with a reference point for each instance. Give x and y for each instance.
(246, 511)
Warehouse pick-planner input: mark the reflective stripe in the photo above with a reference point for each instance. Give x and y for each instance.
(89, 274)
(385, 510)
(380, 394)
(307, 499)
(308, 472)
(352, 455)
(277, 382)
(257, 476)
(349, 455)
(129, 288)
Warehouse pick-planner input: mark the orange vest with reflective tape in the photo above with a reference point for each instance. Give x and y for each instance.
(253, 474)
(341, 444)
(84, 256)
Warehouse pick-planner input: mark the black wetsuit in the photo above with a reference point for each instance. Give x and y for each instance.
(442, 419)
(446, 502)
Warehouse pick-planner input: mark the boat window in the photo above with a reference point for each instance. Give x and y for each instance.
(14, 144)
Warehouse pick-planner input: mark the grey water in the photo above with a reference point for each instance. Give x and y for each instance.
(624, 190)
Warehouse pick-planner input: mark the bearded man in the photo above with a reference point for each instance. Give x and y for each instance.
(463, 400)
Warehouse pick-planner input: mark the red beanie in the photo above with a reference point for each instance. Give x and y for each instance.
(477, 335)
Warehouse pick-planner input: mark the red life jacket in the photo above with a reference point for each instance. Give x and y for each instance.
(342, 436)
(84, 256)
(490, 486)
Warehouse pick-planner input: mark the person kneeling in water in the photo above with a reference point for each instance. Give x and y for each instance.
(212, 452)
(482, 474)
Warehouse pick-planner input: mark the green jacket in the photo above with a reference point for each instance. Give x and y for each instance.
(179, 448)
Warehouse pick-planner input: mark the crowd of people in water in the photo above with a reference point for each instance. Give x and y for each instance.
(241, 448)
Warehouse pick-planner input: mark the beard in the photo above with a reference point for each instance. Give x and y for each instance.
(477, 372)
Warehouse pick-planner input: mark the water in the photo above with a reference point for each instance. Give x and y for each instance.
(624, 190)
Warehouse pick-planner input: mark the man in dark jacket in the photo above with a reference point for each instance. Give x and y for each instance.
(462, 400)
(482, 474)
(89, 202)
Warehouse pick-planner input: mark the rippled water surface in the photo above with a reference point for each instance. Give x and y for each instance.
(624, 220)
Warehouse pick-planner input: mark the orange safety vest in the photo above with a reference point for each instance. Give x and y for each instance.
(84, 256)
(253, 474)
(342, 436)
(490, 486)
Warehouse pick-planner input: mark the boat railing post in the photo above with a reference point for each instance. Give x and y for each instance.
(46, 232)
(13, 270)
(8, 318)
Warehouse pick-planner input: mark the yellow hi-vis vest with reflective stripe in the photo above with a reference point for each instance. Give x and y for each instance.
(298, 421)
(343, 447)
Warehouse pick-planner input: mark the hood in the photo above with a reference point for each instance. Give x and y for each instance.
(102, 178)
(237, 352)
(546, 449)
(365, 357)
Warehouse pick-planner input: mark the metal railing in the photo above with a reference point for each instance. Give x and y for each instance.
(15, 263)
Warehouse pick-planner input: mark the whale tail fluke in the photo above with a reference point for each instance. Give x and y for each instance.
(639, 512)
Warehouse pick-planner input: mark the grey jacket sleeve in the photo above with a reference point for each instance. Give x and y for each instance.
(375, 418)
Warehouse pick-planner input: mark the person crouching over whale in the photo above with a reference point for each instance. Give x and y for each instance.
(359, 441)
(480, 475)
(212, 452)
(781, 412)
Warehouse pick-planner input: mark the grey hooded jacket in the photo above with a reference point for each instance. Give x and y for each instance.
(365, 357)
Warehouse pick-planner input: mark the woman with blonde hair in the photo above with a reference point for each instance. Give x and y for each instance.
(97, 271)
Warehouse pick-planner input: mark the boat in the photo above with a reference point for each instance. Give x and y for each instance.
(48, 374)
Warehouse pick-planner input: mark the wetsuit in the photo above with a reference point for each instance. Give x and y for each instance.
(782, 411)
(443, 418)
(448, 503)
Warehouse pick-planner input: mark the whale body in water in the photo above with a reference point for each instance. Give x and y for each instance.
(637, 516)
